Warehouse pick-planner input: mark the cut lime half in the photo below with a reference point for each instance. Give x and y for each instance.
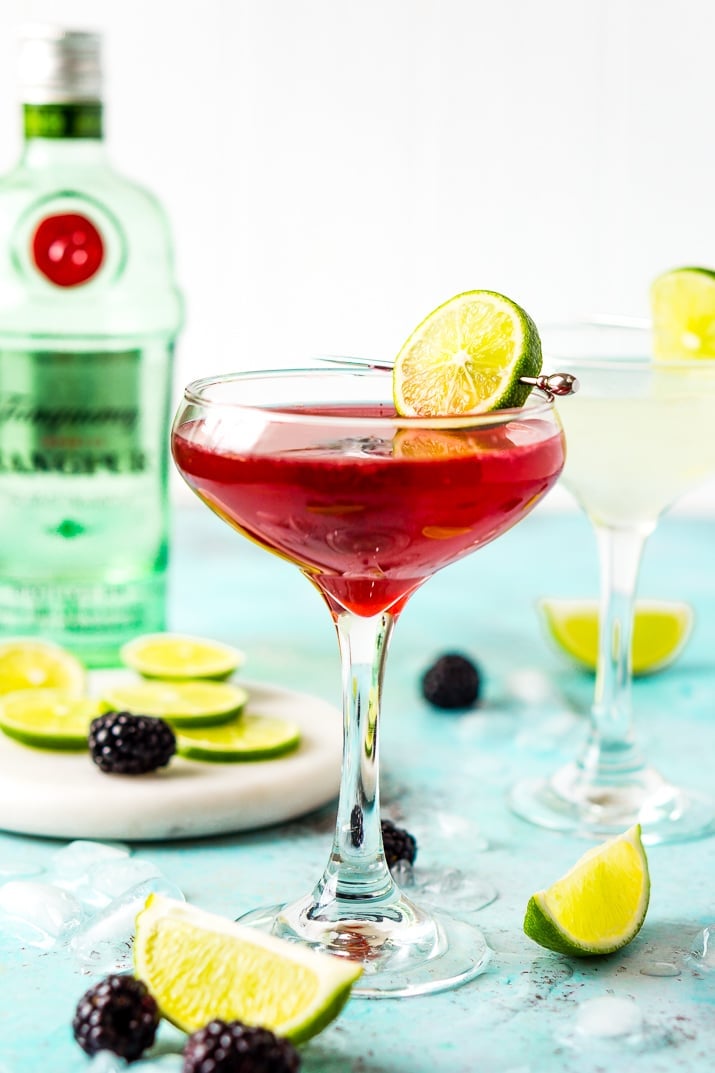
(252, 737)
(683, 311)
(661, 629)
(183, 704)
(177, 656)
(199, 967)
(599, 905)
(467, 357)
(48, 718)
(29, 663)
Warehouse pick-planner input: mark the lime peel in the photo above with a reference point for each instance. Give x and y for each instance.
(599, 905)
(200, 966)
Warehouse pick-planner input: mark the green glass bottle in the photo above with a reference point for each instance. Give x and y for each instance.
(89, 314)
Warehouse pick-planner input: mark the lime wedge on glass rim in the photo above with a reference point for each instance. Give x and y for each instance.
(200, 967)
(467, 356)
(599, 905)
(182, 704)
(661, 629)
(30, 663)
(252, 737)
(177, 656)
(683, 312)
(48, 718)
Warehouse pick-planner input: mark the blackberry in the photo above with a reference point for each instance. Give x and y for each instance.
(399, 845)
(118, 1014)
(453, 681)
(232, 1047)
(124, 744)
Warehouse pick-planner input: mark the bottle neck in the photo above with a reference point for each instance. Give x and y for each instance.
(56, 132)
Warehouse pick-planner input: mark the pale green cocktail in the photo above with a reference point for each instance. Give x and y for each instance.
(638, 437)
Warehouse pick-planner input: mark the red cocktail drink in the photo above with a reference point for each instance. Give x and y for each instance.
(369, 513)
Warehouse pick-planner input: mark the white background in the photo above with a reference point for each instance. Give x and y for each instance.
(334, 169)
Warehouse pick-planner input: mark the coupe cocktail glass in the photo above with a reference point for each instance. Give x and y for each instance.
(639, 436)
(315, 466)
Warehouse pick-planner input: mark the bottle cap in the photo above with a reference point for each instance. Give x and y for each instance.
(57, 65)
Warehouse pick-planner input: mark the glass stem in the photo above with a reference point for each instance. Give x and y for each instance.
(357, 868)
(612, 752)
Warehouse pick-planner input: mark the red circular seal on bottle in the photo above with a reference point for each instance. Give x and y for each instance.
(67, 249)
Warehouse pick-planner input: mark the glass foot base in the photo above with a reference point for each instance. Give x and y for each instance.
(573, 802)
(404, 951)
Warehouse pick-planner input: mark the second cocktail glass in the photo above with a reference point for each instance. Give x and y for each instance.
(639, 437)
(315, 466)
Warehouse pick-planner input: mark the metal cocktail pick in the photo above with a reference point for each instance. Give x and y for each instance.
(554, 384)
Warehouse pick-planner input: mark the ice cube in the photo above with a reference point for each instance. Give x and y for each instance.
(70, 866)
(704, 948)
(17, 863)
(112, 877)
(105, 942)
(609, 1017)
(451, 886)
(48, 909)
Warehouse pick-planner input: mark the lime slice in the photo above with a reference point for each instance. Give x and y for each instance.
(199, 966)
(48, 718)
(683, 310)
(599, 905)
(183, 704)
(252, 737)
(176, 656)
(660, 631)
(28, 663)
(467, 356)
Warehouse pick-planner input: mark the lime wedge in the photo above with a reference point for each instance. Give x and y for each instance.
(683, 310)
(599, 905)
(467, 356)
(252, 737)
(28, 663)
(183, 704)
(199, 966)
(176, 656)
(660, 631)
(48, 718)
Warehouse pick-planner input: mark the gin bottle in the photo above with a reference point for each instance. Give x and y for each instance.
(89, 313)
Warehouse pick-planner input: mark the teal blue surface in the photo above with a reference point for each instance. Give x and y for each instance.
(445, 778)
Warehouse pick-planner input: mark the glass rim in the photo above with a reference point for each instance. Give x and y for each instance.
(613, 324)
(536, 405)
